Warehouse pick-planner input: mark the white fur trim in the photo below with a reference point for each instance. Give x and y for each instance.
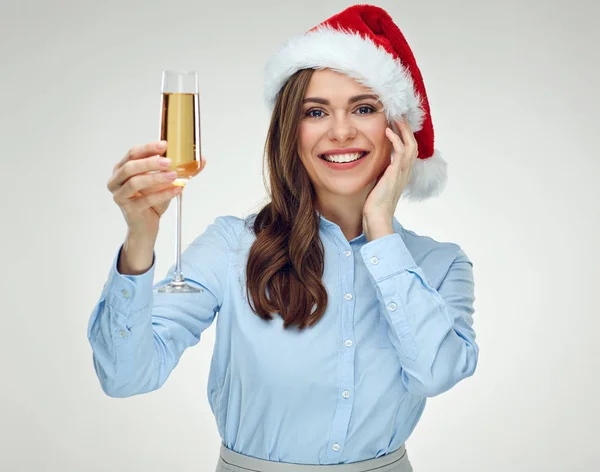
(351, 54)
(428, 178)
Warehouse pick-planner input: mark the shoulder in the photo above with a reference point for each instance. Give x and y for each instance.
(224, 230)
(429, 245)
(231, 224)
(434, 256)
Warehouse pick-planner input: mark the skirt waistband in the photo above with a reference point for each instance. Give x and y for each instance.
(258, 465)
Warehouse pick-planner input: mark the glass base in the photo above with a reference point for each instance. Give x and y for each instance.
(178, 287)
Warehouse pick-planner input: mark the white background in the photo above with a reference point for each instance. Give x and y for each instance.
(513, 87)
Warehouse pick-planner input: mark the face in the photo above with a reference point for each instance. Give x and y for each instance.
(343, 120)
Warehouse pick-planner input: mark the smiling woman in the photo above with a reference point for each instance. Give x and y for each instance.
(335, 322)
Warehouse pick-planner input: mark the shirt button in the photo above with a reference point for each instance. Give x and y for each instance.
(125, 293)
(348, 343)
(123, 333)
(392, 306)
(335, 447)
(347, 253)
(346, 394)
(348, 296)
(374, 260)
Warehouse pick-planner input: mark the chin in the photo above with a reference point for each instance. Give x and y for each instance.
(347, 189)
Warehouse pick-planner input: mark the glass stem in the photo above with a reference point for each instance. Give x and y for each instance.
(178, 276)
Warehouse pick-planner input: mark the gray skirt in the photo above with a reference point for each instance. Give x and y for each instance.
(231, 461)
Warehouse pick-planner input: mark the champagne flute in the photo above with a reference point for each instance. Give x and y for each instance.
(180, 127)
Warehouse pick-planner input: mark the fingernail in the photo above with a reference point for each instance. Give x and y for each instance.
(164, 162)
(162, 143)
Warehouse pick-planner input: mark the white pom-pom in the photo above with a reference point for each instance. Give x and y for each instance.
(428, 178)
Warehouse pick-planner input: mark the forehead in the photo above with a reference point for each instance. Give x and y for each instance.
(330, 84)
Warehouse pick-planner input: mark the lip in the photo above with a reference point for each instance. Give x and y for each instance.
(347, 165)
(342, 151)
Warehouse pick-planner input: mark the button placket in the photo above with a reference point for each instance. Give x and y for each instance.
(343, 410)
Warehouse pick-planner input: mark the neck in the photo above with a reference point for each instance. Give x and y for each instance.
(344, 211)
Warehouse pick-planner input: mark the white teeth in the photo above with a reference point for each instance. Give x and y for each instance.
(343, 157)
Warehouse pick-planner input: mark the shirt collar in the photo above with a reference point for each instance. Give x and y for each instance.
(333, 228)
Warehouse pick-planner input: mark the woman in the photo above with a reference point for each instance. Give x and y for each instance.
(335, 322)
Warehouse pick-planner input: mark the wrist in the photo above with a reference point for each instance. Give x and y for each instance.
(377, 226)
(137, 254)
(143, 238)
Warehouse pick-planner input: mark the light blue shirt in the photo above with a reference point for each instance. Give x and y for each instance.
(397, 329)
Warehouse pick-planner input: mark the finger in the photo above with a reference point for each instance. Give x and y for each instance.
(152, 189)
(142, 185)
(410, 145)
(144, 150)
(408, 137)
(135, 167)
(398, 146)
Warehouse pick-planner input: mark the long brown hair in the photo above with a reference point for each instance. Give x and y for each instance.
(286, 261)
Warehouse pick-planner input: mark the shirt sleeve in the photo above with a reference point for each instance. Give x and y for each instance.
(138, 336)
(430, 329)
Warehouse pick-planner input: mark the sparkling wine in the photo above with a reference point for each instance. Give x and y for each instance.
(179, 126)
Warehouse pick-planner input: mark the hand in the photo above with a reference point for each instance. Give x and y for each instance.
(380, 205)
(143, 195)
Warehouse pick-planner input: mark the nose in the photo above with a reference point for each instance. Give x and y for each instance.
(341, 129)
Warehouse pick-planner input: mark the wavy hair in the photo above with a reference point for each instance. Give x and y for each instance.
(286, 261)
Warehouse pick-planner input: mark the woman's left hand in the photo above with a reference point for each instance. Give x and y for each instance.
(380, 205)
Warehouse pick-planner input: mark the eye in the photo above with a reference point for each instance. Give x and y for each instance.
(365, 109)
(314, 113)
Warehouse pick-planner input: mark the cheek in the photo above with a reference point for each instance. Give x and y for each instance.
(382, 144)
(376, 134)
(306, 139)
(374, 127)
(386, 145)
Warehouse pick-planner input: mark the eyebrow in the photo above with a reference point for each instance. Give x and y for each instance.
(351, 100)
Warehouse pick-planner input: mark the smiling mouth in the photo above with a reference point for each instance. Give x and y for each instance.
(343, 158)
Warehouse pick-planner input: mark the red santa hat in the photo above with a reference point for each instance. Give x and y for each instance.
(364, 43)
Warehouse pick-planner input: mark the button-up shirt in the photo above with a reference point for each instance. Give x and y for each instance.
(397, 329)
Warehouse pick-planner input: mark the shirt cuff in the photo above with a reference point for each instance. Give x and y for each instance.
(129, 293)
(387, 256)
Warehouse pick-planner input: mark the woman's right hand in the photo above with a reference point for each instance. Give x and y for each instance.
(142, 186)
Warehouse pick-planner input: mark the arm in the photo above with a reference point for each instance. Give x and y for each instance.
(137, 336)
(430, 329)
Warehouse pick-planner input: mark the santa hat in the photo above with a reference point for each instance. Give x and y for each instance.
(364, 43)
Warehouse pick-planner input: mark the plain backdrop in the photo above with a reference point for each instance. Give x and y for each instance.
(513, 87)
